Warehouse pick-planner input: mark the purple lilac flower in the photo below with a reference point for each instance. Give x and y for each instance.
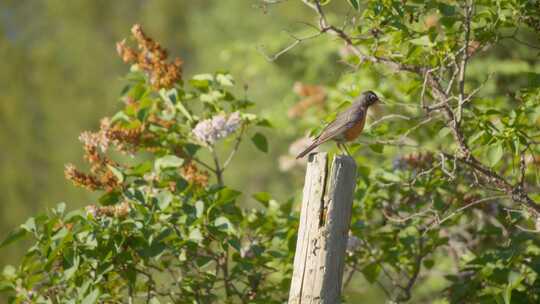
(209, 131)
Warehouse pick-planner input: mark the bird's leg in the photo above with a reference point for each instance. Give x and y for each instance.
(339, 145)
(347, 150)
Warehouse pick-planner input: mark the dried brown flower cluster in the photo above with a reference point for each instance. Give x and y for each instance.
(313, 95)
(95, 145)
(125, 140)
(418, 160)
(432, 20)
(194, 175)
(154, 119)
(102, 180)
(81, 179)
(474, 46)
(119, 211)
(61, 224)
(151, 58)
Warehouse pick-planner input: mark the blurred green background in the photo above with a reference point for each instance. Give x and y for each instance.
(60, 74)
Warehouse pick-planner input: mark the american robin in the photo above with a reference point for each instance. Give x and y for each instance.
(348, 124)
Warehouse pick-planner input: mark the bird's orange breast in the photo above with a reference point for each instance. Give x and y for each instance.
(353, 132)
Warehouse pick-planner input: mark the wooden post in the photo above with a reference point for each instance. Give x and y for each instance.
(324, 226)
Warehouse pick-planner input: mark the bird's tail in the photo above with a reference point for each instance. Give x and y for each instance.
(307, 150)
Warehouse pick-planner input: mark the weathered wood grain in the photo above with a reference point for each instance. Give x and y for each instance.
(322, 236)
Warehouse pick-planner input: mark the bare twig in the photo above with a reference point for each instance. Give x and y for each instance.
(388, 117)
(464, 59)
(423, 92)
(516, 39)
(526, 229)
(475, 91)
(204, 164)
(443, 167)
(218, 170)
(235, 148)
(406, 218)
(403, 138)
(522, 167)
(297, 40)
(351, 274)
(416, 271)
(224, 264)
(515, 192)
(461, 209)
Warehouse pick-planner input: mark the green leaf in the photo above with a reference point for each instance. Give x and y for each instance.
(494, 154)
(429, 263)
(164, 199)
(448, 21)
(195, 235)
(13, 236)
(227, 195)
(212, 97)
(5, 286)
(390, 177)
(68, 273)
(476, 136)
(533, 79)
(422, 41)
(140, 169)
(110, 198)
(447, 10)
(30, 225)
(154, 300)
(377, 148)
(137, 92)
(120, 116)
(354, 4)
(91, 298)
(263, 122)
(262, 197)
(202, 260)
(169, 96)
(443, 132)
(224, 224)
(225, 80)
(199, 206)
(168, 161)
(371, 272)
(207, 77)
(260, 142)
(202, 81)
(235, 243)
(9, 272)
(117, 173)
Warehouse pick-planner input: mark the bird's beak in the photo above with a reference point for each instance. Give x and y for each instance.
(382, 101)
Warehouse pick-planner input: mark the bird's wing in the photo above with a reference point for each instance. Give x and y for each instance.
(343, 121)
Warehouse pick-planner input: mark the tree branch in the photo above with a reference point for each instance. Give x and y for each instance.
(235, 148)
(516, 192)
(218, 170)
(406, 296)
(464, 58)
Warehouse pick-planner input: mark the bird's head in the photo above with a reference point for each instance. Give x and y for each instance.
(369, 98)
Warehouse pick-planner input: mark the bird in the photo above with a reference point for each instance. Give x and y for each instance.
(348, 124)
